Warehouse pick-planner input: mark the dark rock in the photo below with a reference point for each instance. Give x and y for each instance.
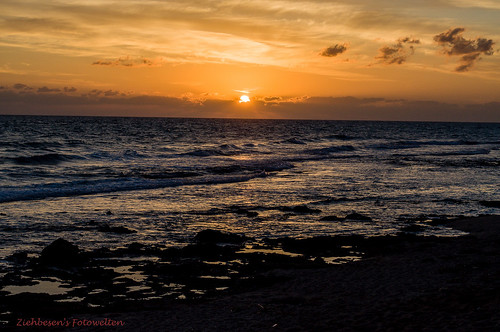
(30, 303)
(357, 217)
(138, 249)
(295, 141)
(18, 257)
(116, 229)
(98, 275)
(435, 220)
(300, 209)
(214, 236)
(61, 252)
(342, 245)
(238, 210)
(407, 218)
(493, 204)
(135, 248)
(209, 250)
(331, 218)
(413, 228)
(17, 279)
(319, 245)
(100, 252)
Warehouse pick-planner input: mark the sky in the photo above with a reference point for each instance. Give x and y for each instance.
(341, 60)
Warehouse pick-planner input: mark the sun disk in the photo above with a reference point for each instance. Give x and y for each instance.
(244, 99)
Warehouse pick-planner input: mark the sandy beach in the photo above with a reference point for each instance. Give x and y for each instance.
(448, 284)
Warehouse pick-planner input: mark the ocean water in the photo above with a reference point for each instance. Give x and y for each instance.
(167, 179)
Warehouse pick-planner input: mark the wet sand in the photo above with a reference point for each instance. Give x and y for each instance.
(440, 285)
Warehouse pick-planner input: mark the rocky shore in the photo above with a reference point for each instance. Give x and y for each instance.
(228, 282)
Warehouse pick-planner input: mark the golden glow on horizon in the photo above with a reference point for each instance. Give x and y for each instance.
(244, 99)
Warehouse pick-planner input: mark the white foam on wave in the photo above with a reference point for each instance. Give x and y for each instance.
(77, 188)
(251, 169)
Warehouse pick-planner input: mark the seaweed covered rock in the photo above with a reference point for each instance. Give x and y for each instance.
(331, 218)
(116, 229)
(214, 236)
(413, 228)
(491, 204)
(300, 209)
(357, 217)
(61, 252)
(350, 217)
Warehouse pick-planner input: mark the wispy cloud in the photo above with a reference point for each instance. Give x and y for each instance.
(128, 61)
(194, 30)
(469, 50)
(399, 52)
(486, 4)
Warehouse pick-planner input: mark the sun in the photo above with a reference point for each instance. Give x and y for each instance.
(244, 99)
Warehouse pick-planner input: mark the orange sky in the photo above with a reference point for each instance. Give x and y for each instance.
(101, 57)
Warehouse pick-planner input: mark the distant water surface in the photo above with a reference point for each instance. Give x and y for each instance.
(168, 178)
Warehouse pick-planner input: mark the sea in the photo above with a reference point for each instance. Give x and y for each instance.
(165, 179)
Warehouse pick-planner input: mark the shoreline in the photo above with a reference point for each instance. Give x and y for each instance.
(449, 285)
(410, 283)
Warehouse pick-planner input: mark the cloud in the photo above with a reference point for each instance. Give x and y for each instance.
(110, 93)
(334, 50)
(399, 52)
(69, 89)
(93, 93)
(272, 99)
(46, 90)
(21, 86)
(129, 62)
(469, 50)
(276, 100)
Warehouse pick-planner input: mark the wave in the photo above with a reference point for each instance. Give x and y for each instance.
(48, 158)
(78, 188)
(158, 174)
(294, 141)
(341, 137)
(454, 162)
(141, 180)
(206, 153)
(251, 166)
(418, 144)
(221, 150)
(460, 153)
(330, 149)
(34, 144)
(130, 154)
(125, 155)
